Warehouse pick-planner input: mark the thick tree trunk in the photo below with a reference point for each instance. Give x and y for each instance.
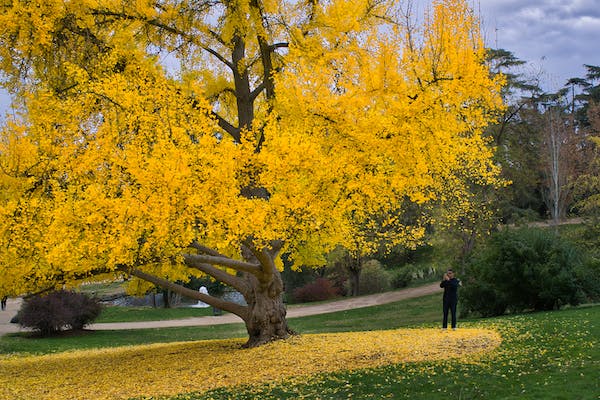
(265, 320)
(258, 280)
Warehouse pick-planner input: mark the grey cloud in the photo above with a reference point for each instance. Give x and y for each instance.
(559, 36)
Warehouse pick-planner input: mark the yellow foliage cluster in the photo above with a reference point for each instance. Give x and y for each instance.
(118, 158)
(163, 369)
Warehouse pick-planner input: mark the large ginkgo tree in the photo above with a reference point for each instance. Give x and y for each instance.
(164, 139)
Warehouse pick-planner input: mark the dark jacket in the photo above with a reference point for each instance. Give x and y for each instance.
(450, 289)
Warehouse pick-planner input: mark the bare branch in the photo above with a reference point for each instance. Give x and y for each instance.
(279, 45)
(227, 262)
(257, 90)
(227, 127)
(192, 261)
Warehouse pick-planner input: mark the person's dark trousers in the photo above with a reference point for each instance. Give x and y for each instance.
(450, 306)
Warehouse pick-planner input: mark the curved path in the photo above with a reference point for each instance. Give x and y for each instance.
(292, 311)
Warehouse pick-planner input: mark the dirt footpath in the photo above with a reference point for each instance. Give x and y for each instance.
(292, 311)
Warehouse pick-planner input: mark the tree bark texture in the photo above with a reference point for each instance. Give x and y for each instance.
(266, 315)
(354, 267)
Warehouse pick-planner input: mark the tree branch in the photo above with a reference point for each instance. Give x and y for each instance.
(231, 307)
(205, 250)
(227, 127)
(265, 257)
(266, 260)
(218, 56)
(257, 90)
(226, 262)
(192, 261)
(279, 45)
(105, 97)
(216, 36)
(215, 96)
(84, 32)
(158, 24)
(325, 117)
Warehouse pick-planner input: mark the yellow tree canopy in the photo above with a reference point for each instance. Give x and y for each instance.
(152, 131)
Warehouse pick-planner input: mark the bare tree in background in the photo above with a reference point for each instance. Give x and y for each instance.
(558, 161)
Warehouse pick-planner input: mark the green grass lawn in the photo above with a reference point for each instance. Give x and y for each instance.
(128, 314)
(550, 355)
(405, 313)
(412, 312)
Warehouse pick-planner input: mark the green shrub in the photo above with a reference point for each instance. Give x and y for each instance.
(59, 310)
(401, 277)
(587, 273)
(521, 269)
(373, 278)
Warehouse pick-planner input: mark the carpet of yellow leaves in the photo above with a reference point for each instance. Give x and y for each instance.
(163, 369)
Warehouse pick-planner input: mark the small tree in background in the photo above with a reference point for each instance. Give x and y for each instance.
(587, 186)
(587, 192)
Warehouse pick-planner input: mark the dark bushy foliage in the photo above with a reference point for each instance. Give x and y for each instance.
(320, 289)
(401, 278)
(517, 270)
(588, 274)
(58, 310)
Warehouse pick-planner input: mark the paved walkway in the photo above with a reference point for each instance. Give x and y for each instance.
(292, 311)
(12, 306)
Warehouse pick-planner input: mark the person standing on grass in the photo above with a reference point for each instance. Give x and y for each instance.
(450, 284)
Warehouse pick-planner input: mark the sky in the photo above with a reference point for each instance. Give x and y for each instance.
(555, 37)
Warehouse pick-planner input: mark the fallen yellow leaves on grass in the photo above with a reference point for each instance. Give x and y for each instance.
(168, 369)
